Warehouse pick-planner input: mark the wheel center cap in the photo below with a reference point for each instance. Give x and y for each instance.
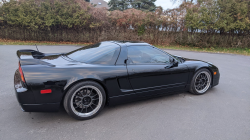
(86, 100)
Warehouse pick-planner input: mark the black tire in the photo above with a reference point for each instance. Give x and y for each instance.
(193, 86)
(81, 93)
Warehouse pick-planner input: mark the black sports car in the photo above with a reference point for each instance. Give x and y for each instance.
(109, 72)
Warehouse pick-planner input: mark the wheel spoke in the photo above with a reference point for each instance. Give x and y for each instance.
(198, 77)
(78, 105)
(91, 91)
(79, 97)
(93, 96)
(82, 109)
(85, 91)
(77, 102)
(91, 107)
(81, 91)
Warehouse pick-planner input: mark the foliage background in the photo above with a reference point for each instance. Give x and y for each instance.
(207, 23)
(144, 5)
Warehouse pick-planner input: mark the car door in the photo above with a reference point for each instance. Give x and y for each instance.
(151, 72)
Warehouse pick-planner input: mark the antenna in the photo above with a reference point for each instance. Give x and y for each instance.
(37, 48)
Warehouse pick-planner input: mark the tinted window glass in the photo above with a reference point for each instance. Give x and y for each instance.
(100, 53)
(146, 54)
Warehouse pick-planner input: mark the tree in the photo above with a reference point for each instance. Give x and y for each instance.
(118, 5)
(219, 15)
(144, 5)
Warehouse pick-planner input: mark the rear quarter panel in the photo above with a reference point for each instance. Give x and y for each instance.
(60, 78)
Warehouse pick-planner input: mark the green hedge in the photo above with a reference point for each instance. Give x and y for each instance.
(44, 15)
(211, 23)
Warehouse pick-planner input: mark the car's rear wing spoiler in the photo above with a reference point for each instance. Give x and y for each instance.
(30, 57)
(29, 54)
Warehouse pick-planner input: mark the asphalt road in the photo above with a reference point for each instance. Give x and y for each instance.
(223, 113)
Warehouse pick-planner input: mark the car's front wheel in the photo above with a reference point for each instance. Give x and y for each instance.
(85, 100)
(201, 82)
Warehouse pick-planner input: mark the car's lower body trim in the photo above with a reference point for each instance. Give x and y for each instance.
(49, 107)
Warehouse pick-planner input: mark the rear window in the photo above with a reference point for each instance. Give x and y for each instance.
(100, 53)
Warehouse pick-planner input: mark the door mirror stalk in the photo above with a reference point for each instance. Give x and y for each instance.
(173, 63)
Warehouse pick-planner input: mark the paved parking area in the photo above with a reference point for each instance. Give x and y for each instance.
(223, 113)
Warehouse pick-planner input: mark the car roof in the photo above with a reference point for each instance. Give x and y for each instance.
(128, 43)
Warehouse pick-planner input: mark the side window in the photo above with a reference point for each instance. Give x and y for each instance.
(146, 55)
(100, 53)
(105, 56)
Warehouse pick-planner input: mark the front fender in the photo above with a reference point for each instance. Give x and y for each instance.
(196, 65)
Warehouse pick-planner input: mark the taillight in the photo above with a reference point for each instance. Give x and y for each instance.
(21, 73)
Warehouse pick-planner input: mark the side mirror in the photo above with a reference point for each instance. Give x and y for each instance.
(173, 62)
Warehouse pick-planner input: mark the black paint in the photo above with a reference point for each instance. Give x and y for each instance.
(122, 82)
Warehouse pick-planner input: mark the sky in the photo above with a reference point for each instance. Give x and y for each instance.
(165, 4)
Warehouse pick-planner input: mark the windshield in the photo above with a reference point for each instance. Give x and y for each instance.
(100, 53)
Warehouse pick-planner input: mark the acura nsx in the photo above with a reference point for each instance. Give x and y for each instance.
(106, 73)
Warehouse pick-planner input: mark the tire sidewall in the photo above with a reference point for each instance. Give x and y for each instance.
(71, 91)
(192, 87)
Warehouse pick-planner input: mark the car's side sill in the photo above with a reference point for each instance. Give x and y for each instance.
(116, 100)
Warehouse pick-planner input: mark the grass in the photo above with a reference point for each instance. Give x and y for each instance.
(241, 51)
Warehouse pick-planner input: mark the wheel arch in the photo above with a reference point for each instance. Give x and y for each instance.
(82, 80)
(208, 68)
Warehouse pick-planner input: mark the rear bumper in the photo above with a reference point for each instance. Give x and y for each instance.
(23, 93)
(26, 98)
(40, 107)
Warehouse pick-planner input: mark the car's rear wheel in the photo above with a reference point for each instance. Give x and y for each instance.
(85, 100)
(201, 82)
